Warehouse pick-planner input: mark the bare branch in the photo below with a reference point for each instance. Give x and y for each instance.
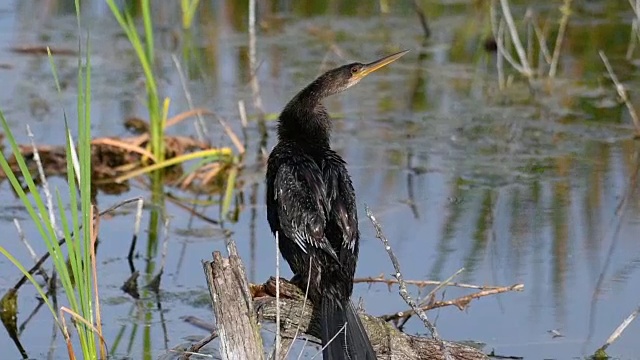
(403, 287)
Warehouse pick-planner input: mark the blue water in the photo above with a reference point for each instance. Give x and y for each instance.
(460, 175)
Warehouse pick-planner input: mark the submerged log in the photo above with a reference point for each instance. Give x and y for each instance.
(238, 308)
(387, 341)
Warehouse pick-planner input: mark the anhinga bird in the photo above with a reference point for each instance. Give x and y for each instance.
(311, 207)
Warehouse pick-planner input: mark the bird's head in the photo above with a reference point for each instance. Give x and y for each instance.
(344, 77)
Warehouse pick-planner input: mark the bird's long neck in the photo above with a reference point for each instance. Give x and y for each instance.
(305, 120)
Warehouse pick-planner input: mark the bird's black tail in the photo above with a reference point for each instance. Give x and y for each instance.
(343, 335)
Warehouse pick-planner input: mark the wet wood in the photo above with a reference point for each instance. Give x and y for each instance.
(42, 50)
(387, 341)
(238, 308)
(233, 307)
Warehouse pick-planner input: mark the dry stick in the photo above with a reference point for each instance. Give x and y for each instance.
(45, 183)
(384, 337)
(529, 27)
(79, 319)
(506, 12)
(443, 284)
(622, 92)
(304, 304)
(255, 85)
(566, 11)
(460, 302)
(195, 348)
(243, 119)
(497, 36)
(124, 145)
(136, 229)
(62, 240)
(201, 129)
(422, 283)
(342, 330)
(93, 231)
(431, 294)
(635, 8)
(632, 39)
(232, 135)
(32, 252)
(542, 43)
(23, 238)
(191, 210)
(503, 52)
(300, 315)
(403, 287)
(277, 350)
(165, 244)
(616, 334)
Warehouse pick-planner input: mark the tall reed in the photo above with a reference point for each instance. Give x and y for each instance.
(76, 270)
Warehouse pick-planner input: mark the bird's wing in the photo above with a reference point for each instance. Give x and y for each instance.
(341, 196)
(302, 205)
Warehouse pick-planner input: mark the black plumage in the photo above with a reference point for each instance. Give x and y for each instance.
(311, 205)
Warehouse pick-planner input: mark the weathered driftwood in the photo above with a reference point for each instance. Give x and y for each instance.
(238, 306)
(387, 341)
(233, 307)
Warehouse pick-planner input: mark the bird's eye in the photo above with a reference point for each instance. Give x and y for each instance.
(355, 69)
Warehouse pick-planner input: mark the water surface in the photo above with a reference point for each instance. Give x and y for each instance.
(520, 185)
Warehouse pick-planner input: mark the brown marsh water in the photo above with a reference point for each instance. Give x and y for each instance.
(520, 185)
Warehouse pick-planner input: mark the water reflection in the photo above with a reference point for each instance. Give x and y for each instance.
(514, 187)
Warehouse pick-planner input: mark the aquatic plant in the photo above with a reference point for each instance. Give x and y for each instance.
(76, 270)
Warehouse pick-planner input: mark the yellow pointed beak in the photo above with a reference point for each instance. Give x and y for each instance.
(378, 64)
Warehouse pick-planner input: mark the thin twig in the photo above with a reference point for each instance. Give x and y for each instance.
(255, 85)
(136, 230)
(243, 120)
(94, 230)
(165, 243)
(62, 240)
(304, 304)
(460, 302)
(403, 287)
(632, 39)
(622, 91)
(505, 54)
(443, 284)
(32, 252)
(498, 32)
(277, 296)
(340, 331)
(506, 12)
(195, 348)
(45, 183)
(23, 238)
(201, 128)
(232, 135)
(431, 295)
(566, 11)
(422, 283)
(635, 6)
(618, 331)
(542, 43)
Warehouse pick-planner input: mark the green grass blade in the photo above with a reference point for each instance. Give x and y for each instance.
(148, 30)
(33, 281)
(228, 194)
